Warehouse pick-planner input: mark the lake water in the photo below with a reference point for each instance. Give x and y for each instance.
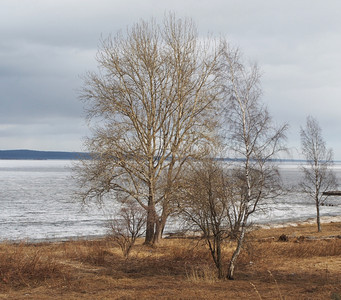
(36, 202)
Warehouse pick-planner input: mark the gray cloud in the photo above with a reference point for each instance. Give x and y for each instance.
(46, 45)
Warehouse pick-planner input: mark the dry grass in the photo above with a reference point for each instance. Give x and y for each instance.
(300, 268)
(24, 265)
(203, 273)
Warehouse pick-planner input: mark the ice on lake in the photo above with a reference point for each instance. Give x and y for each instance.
(36, 200)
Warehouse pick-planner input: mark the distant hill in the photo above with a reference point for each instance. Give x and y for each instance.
(41, 155)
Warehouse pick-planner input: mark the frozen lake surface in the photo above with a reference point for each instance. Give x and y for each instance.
(36, 202)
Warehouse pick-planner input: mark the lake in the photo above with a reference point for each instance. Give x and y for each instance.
(37, 203)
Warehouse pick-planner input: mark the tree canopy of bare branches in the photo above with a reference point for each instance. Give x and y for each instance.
(151, 107)
(318, 175)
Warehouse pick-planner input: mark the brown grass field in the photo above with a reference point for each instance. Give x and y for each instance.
(307, 266)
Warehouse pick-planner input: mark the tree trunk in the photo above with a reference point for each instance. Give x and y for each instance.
(150, 224)
(230, 272)
(157, 234)
(150, 227)
(219, 263)
(162, 223)
(318, 216)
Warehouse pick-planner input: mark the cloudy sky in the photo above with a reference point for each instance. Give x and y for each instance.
(46, 45)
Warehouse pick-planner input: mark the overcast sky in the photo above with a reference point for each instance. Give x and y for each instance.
(46, 45)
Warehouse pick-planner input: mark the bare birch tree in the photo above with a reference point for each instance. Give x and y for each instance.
(318, 175)
(220, 201)
(151, 107)
(254, 140)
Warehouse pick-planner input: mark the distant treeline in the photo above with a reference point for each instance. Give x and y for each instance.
(41, 155)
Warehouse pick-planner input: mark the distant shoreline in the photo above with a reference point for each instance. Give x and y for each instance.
(25, 154)
(41, 155)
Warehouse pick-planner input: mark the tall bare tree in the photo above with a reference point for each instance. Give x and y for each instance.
(151, 107)
(318, 175)
(253, 139)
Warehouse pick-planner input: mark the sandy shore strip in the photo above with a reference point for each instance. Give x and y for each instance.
(323, 219)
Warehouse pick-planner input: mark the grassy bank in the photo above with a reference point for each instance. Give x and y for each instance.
(305, 266)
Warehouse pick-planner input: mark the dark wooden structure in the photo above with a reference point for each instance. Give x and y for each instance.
(332, 193)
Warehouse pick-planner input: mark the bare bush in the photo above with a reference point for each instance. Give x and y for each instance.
(127, 226)
(204, 202)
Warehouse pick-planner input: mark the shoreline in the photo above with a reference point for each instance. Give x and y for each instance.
(309, 221)
(55, 240)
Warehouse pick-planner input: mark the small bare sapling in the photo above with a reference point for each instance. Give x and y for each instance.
(127, 226)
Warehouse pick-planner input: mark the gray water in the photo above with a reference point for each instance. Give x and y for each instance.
(36, 202)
